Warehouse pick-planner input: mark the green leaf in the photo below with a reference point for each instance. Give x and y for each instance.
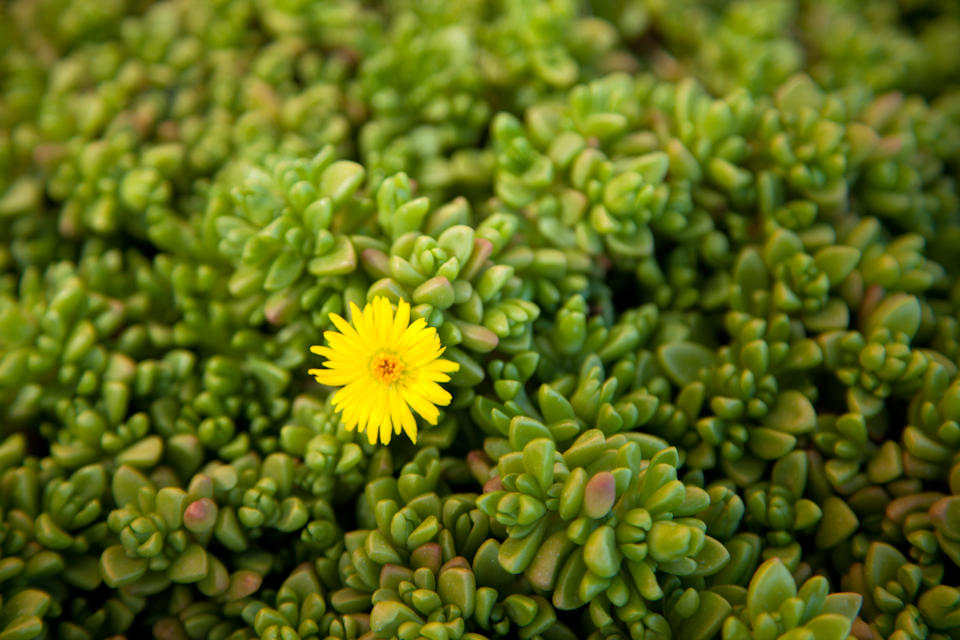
(881, 565)
(22, 627)
(544, 571)
(117, 569)
(126, 485)
(538, 460)
(798, 92)
(791, 413)
(837, 262)
(711, 559)
(516, 554)
(144, 454)
(284, 271)
(706, 622)
(782, 244)
(458, 586)
(341, 260)
(682, 362)
(830, 626)
(833, 317)
(837, 524)
(844, 604)
(771, 585)
(293, 515)
(340, 180)
(567, 594)
(553, 405)
(941, 607)
(386, 618)
(770, 444)
(600, 553)
(190, 566)
(900, 313)
(437, 292)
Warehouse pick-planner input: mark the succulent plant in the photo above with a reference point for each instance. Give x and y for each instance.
(775, 608)
(779, 507)
(694, 261)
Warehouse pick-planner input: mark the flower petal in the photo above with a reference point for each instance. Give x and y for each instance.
(335, 378)
(400, 322)
(386, 425)
(401, 415)
(384, 320)
(420, 404)
(409, 423)
(426, 374)
(362, 324)
(416, 359)
(345, 329)
(411, 336)
(346, 346)
(434, 393)
(354, 391)
(378, 410)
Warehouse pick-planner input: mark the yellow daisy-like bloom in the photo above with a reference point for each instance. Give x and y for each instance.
(386, 367)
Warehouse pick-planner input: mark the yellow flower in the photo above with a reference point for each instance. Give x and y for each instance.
(386, 366)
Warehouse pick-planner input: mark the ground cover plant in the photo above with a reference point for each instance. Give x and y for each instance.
(535, 319)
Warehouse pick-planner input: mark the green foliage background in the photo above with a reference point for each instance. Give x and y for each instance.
(697, 260)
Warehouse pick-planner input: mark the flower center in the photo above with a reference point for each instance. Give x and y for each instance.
(386, 368)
